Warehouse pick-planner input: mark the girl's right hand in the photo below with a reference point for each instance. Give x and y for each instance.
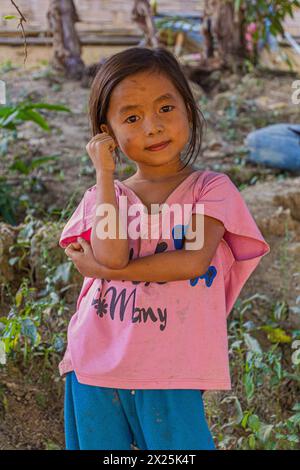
(100, 150)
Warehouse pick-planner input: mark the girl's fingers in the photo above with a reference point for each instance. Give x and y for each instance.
(100, 140)
(100, 137)
(70, 251)
(67, 253)
(76, 245)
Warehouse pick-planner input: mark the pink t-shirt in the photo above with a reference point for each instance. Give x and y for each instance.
(171, 335)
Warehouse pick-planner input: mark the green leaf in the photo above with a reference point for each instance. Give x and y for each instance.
(254, 423)
(29, 115)
(244, 420)
(19, 297)
(290, 10)
(10, 17)
(20, 166)
(296, 358)
(265, 432)
(295, 377)
(13, 261)
(29, 330)
(252, 343)
(9, 118)
(239, 412)
(58, 344)
(6, 110)
(249, 386)
(278, 370)
(7, 204)
(11, 126)
(274, 30)
(62, 272)
(53, 107)
(37, 162)
(251, 440)
(280, 311)
(237, 5)
(276, 335)
(2, 353)
(295, 419)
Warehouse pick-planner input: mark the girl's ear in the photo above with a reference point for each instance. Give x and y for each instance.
(108, 130)
(104, 128)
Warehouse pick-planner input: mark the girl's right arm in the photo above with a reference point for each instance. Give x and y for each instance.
(111, 252)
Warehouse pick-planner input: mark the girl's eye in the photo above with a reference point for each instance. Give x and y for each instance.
(134, 115)
(168, 106)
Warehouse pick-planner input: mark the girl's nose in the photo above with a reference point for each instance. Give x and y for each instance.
(153, 125)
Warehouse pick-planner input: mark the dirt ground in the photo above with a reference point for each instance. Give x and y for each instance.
(31, 401)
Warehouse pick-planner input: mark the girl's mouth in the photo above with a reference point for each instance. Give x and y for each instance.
(161, 146)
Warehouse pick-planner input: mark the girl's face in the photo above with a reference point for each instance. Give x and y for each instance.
(140, 116)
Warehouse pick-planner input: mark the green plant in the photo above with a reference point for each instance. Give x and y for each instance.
(7, 66)
(50, 445)
(30, 328)
(23, 330)
(8, 203)
(264, 18)
(25, 169)
(264, 436)
(261, 374)
(275, 11)
(13, 115)
(19, 331)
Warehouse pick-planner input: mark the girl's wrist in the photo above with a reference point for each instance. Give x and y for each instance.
(102, 174)
(102, 272)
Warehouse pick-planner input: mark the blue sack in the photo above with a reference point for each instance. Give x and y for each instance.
(276, 146)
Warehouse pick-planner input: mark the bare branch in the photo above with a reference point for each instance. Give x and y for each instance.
(21, 20)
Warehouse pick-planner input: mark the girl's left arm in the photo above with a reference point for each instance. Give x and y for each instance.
(161, 267)
(168, 266)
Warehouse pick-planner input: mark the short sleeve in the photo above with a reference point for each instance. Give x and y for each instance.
(81, 221)
(244, 244)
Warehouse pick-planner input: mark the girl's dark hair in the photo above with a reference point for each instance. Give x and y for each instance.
(140, 59)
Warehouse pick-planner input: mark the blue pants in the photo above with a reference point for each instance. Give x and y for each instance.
(101, 418)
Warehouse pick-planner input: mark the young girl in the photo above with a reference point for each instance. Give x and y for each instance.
(149, 332)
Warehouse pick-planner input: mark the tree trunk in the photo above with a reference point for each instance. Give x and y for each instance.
(223, 32)
(207, 29)
(62, 16)
(142, 15)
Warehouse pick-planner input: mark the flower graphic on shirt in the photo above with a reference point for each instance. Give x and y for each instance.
(100, 306)
(161, 247)
(208, 276)
(178, 243)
